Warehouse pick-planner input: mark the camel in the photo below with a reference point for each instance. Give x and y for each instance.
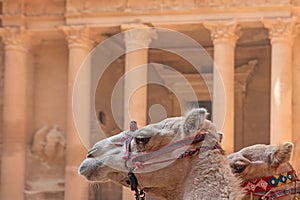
(177, 158)
(266, 172)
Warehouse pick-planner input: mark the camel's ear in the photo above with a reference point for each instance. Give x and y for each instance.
(282, 154)
(194, 120)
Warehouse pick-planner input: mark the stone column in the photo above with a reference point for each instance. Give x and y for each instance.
(224, 38)
(14, 114)
(137, 40)
(296, 103)
(79, 45)
(281, 33)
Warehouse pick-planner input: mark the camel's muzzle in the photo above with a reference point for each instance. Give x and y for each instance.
(88, 165)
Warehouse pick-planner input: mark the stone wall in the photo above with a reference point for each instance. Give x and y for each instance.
(135, 5)
(107, 122)
(45, 167)
(1, 97)
(48, 73)
(35, 7)
(255, 113)
(103, 101)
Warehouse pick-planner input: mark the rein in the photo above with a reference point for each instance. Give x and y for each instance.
(144, 159)
(133, 182)
(264, 187)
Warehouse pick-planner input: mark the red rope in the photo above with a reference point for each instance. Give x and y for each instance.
(129, 136)
(169, 148)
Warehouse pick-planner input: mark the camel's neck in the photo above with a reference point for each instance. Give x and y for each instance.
(169, 181)
(211, 177)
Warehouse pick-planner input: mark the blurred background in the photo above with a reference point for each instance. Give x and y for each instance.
(255, 51)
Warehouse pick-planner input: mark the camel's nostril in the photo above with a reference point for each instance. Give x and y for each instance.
(91, 152)
(90, 155)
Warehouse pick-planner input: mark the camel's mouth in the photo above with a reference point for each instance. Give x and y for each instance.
(95, 171)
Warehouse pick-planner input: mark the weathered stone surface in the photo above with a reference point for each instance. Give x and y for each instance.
(49, 145)
(49, 195)
(52, 7)
(105, 88)
(255, 114)
(134, 5)
(1, 100)
(48, 73)
(45, 176)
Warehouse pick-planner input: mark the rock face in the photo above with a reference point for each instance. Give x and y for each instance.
(39, 158)
(49, 195)
(1, 99)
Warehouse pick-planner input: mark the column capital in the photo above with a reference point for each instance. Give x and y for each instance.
(77, 36)
(14, 38)
(281, 30)
(223, 31)
(138, 36)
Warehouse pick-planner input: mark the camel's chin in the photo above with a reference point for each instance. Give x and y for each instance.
(115, 177)
(96, 179)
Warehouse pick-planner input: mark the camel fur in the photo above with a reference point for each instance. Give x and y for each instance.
(203, 176)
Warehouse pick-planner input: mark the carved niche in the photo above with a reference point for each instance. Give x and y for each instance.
(49, 144)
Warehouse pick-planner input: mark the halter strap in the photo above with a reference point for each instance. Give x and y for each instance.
(129, 136)
(278, 194)
(188, 153)
(144, 159)
(170, 147)
(266, 183)
(141, 160)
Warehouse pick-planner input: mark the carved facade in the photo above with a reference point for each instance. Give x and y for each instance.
(254, 45)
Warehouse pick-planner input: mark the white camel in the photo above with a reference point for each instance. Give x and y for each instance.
(177, 158)
(266, 172)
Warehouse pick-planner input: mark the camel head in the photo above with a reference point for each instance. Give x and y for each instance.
(104, 160)
(261, 160)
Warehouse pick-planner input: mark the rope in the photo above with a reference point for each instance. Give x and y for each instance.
(139, 194)
(169, 148)
(129, 137)
(141, 161)
(270, 195)
(278, 194)
(187, 153)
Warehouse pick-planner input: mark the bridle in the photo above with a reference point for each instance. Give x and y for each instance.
(132, 180)
(264, 187)
(144, 159)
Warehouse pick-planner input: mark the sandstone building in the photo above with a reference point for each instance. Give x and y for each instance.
(254, 46)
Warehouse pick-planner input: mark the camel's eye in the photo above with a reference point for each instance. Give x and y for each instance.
(238, 168)
(142, 140)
